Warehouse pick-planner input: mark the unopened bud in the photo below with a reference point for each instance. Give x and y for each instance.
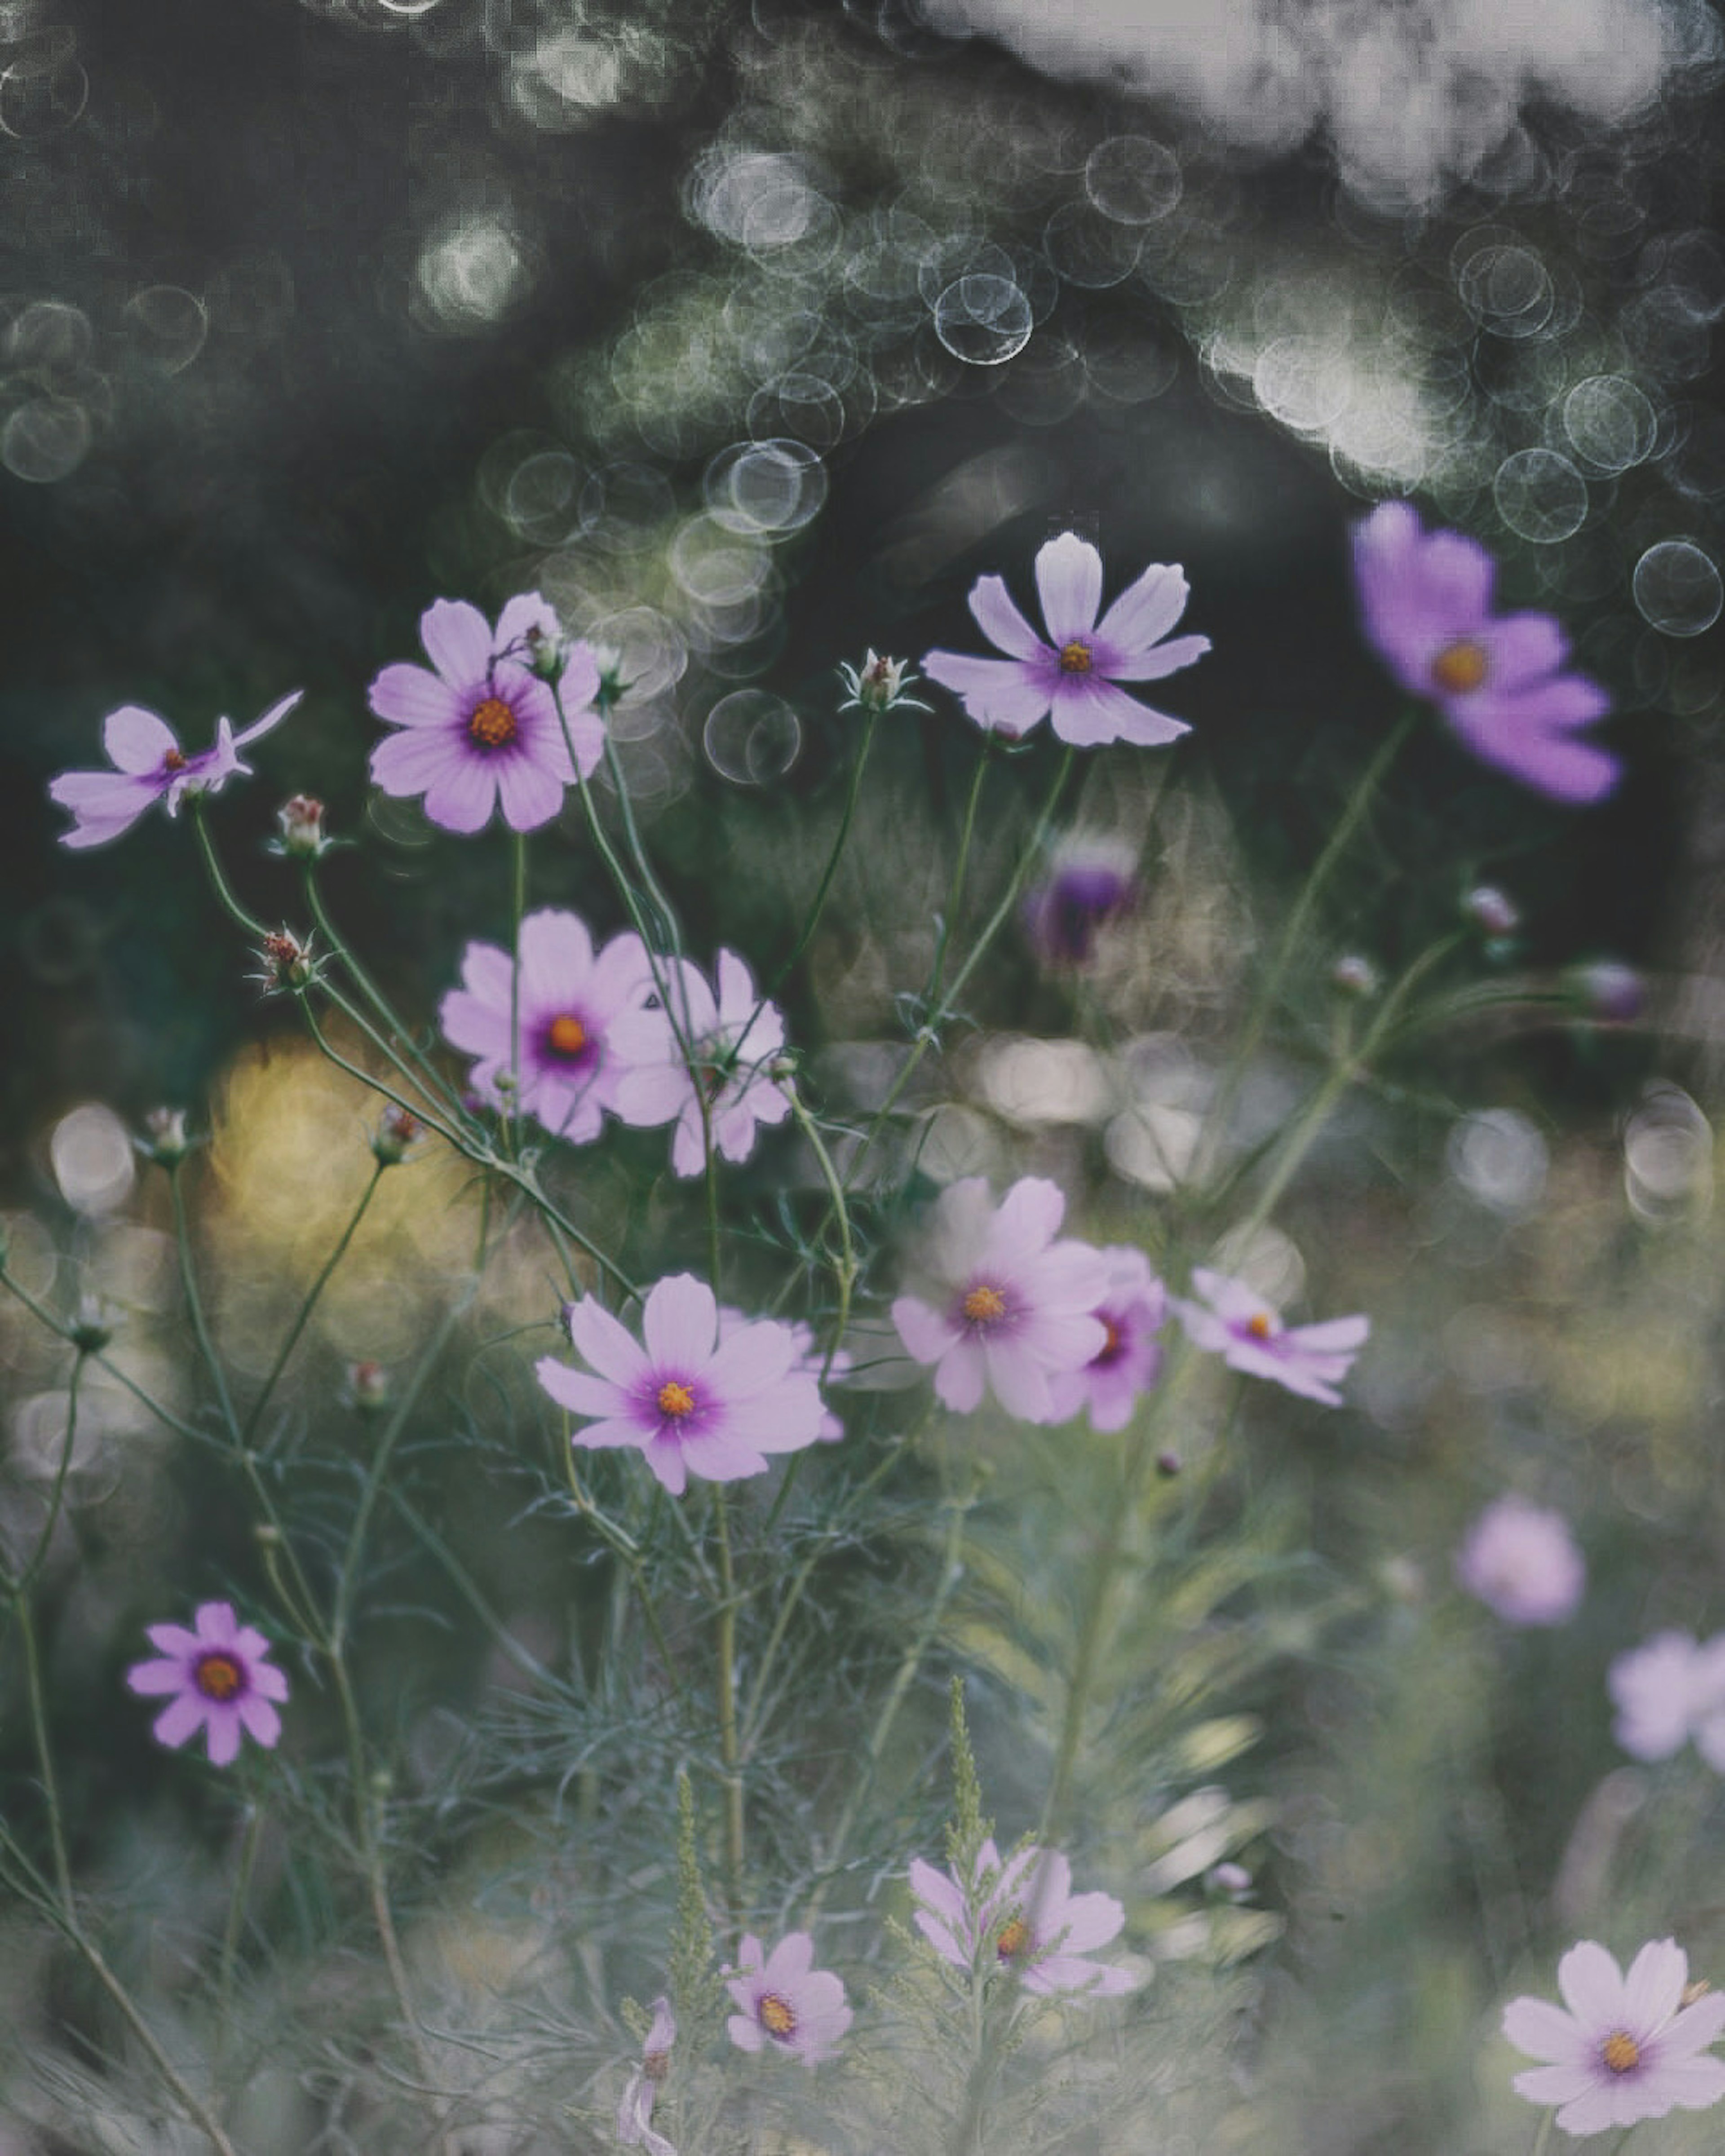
(90, 1331)
(368, 1386)
(878, 684)
(286, 963)
(1168, 1464)
(1609, 990)
(164, 1140)
(543, 652)
(1232, 1881)
(396, 1130)
(266, 1536)
(1491, 910)
(1354, 976)
(300, 819)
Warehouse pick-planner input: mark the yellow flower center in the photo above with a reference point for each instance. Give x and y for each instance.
(1621, 2052)
(492, 725)
(1014, 1939)
(777, 2017)
(1460, 666)
(984, 1306)
(1260, 1326)
(1075, 658)
(217, 1675)
(566, 1036)
(675, 1400)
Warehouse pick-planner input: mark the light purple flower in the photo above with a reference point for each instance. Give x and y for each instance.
(732, 1043)
(634, 2113)
(811, 1359)
(691, 1402)
(1007, 1308)
(1235, 1322)
(219, 1682)
(1499, 679)
(1073, 675)
(1628, 2048)
(1133, 1312)
(483, 727)
(1522, 1561)
(1021, 1915)
(1090, 882)
(150, 765)
(1667, 1692)
(784, 2003)
(569, 1003)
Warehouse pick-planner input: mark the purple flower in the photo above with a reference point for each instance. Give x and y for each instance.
(811, 1359)
(483, 726)
(731, 1044)
(1522, 1561)
(634, 2113)
(1022, 1915)
(1132, 1311)
(784, 2002)
(1628, 2048)
(1498, 679)
(1075, 673)
(1090, 882)
(568, 1003)
(692, 1404)
(219, 1679)
(1248, 1334)
(1008, 1309)
(150, 765)
(1667, 1692)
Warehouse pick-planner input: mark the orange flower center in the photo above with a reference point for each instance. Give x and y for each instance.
(566, 1036)
(173, 761)
(1621, 2052)
(675, 1400)
(217, 1675)
(1075, 658)
(492, 725)
(778, 2016)
(1113, 1342)
(984, 1306)
(1014, 1939)
(1460, 666)
(1259, 1325)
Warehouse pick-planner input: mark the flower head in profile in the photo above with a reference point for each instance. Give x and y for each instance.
(1627, 2048)
(563, 1012)
(480, 727)
(150, 765)
(217, 1677)
(720, 1048)
(1132, 1311)
(1500, 680)
(1667, 1690)
(1021, 1915)
(1522, 1561)
(1233, 1321)
(693, 1403)
(1004, 1308)
(1075, 673)
(1090, 882)
(784, 2003)
(634, 2113)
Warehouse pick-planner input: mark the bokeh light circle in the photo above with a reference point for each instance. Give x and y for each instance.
(1540, 495)
(982, 319)
(1133, 179)
(1677, 588)
(751, 737)
(1609, 422)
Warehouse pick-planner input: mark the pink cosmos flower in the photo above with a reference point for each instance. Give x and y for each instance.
(1628, 2048)
(1133, 1312)
(1667, 1692)
(1022, 1915)
(634, 2113)
(1522, 1561)
(732, 1042)
(1090, 882)
(1074, 674)
(811, 1359)
(150, 765)
(219, 1682)
(1499, 679)
(568, 1003)
(784, 2001)
(1235, 1322)
(1008, 1309)
(483, 727)
(691, 1402)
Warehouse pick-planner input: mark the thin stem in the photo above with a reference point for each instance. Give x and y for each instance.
(955, 894)
(194, 1306)
(518, 906)
(229, 904)
(670, 939)
(56, 1497)
(429, 1075)
(845, 1270)
(61, 1331)
(728, 1710)
(45, 1754)
(822, 890)
(249, 1839)
(309, 1305)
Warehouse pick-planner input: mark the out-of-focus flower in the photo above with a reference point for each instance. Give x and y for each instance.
(164, 1140)
(368, 1386)
(1499, 679)
(1090, 882)
(784, 2003)
(1668, 1690)
(690, 1403)
(880, 684)
(1073, 675)
(1007, 1308)
(396, 1130)
(1522, 1561)
(733, 1041)
(567, 1015)
(1491, 910)
(1235, 1322)
(1232, 1882)
(93, 1326)
(1352, 975)
(483, 728)
(1133, 1310)
(218, 1679)
(1022, 1915)
(150, 765)
(1628, 2048)
(300, 819)
(634, 2113)
(1608, 991)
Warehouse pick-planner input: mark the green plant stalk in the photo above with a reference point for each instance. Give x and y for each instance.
(237, 1900)
(517, 908)
(955, 893)
(734, 1845)
(44, 1752)
(229, 904)
(845, 1269)
(194, 1308)
(45, 1317)
(823, 890)
(56, 1497)
(304, 1316)
(429, 1075)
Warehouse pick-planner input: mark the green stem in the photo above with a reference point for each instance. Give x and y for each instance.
(56, 1497)
(728, 1710)
(229, 904)
(955, 894)
(852, 789)
(45, 1753)
(237, 1900)
(844, 1271)
(669, 939)
(45, 1317)
(194, 1307)
(518, 906)
(308, 1306)
(429, 1077)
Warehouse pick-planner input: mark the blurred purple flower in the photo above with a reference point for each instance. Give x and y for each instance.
(1628, 2048)
(1499, 679)
(218, 1680)
(1667, 1690)
(634, 2113)
(150, 765)
(484, 726)
(1022, 1915)
(1133, 1310)
(732, 1039)
(1235, 1322)
(1522, 1561)
(1090, 882)
(1074, 673)
(784, 2002)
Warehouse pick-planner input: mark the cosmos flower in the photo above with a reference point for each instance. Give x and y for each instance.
(484, 726)
(634, 2113)
(567, 1007)
(1023, 1915)
(1074, 674)
(1007, 1309)
(1522, 1561)
(1667, 1690)
(733, 1041)
(1133, 1310)
(1628, 2048)
(1235, 1322)
(150, 765)
(217, 1679)
(784, 2003)
(1090, 882)
(811, 1358)
(1499, 679)
(690, 1403)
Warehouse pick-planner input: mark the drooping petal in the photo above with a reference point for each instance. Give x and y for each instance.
(1551, 763)
(959, 1379)
(104, 803)
(271, 719)
(1069, 582)
(1000, 620)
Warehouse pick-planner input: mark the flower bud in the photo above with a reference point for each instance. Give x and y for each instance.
(368, 1387)
(544, 654)
(1491, 910)
(1169, 1465)
(396, 1130)
(1354, 976)
(1232, 1881)
(91, 1332)
(1608, 991)
(164, 1140)
(300, 819)
(286, 963)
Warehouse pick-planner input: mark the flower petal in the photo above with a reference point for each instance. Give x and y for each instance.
(1592, 1985)
(1545, 2031)
(606, 1343)
(1139, 618)
(1653, 1988)
(462, 796)
(1000, 620)
(457, 640)
(680, 1322)
(271, 719)
(179, 1720)
(1069, 582)
(137, 739)
(1005, 693)
(1089, 711)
